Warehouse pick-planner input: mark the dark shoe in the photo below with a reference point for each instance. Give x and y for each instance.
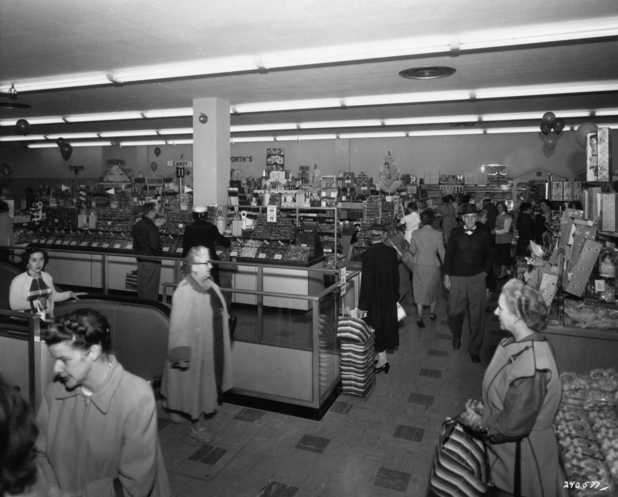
(384, 368)
(433, 317)
(475, 357)
(420, 323)
(456, 343)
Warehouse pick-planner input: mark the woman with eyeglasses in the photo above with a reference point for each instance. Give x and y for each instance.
(521, 396)
(199, 361)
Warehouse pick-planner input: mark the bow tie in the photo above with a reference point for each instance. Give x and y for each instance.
(470, 231)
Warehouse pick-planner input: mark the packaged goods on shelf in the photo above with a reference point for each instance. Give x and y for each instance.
(298, 253)
(250, 248)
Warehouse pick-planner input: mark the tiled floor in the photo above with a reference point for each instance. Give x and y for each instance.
(380, 446)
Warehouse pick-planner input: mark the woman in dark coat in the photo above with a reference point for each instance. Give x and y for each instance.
(379, 294)
(525, 229)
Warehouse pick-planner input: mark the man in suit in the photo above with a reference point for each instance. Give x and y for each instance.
(146, 241)
(468, 260)
(204, 233)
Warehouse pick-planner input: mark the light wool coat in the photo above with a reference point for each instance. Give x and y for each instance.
(193, 391)
(85, 444)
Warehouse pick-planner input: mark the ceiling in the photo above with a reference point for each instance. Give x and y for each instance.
(43, 39)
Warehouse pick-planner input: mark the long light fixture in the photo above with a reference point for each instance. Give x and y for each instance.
(104, 116)
(181, 112)
(415, 121)
(341, 124)
(247, 128)
(72, 136)
(138, 143)
(66, 81)
(135, 132)
(73, 144)
(22, 138)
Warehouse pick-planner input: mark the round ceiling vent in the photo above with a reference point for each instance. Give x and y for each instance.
(427, 72)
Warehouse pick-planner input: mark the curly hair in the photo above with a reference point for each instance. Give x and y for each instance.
(82, 328)
(427, 217)
(526, 303)
(25, 255)
(192, 255)
(18, 434)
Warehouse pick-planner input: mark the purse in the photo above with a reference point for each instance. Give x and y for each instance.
(401, 313)
(460, 467)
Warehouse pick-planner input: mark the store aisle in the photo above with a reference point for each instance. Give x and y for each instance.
(382, 446)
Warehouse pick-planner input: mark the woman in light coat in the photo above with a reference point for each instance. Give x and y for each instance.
(427, 248)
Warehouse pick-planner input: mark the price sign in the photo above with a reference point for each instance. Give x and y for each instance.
(328, 251)
(166, 249)
(271, 214)
(234, 254)
(262, 256)
(73, 243)
(95, 244)
(117, 246)
(129, 246)
(83, 244)
(66, 242)
(278, 256)
(105, 245)
(181, 225)
(179, 250)
(36, 240)
(342, 278)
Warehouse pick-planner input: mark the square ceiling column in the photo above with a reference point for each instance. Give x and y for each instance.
(211, 151)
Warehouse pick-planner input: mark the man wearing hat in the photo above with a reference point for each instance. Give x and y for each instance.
(379, 294)
(203, 233)
(469, 258)
(146, 241)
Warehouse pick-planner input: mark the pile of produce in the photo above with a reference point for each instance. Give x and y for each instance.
(590, 316)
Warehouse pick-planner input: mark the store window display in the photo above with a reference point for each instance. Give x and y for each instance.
(34, 290)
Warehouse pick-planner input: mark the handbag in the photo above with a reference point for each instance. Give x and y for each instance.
(401, 313)
(460, 467)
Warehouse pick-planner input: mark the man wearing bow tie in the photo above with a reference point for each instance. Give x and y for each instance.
(469, 257)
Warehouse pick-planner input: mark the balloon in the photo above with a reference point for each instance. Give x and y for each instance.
(545, 129)
(5, 169)
(66, 150)
(23, 127)
(157, 151)
(549, 118)
(154, 166)
(60, 142)
(580, 134)
(559, 125)
(550, 141)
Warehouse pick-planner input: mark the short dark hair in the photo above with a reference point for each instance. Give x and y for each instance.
(412, 206)
(18, 433)
(25, 255)
(148, 208)
(546, 202)
(506, 209)
(82, 328)
(446, 199)
(427, 217)
(4, 207)
(526, 303)
(466, 199)
(524, 206)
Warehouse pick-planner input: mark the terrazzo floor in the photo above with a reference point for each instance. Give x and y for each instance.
(379, 446)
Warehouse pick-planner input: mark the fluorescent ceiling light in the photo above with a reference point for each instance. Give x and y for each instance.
(262, 127)
(287, 138)
(43, 145)
(606, 112)
(138, 143)
(176, 131)
(93, 144)
(72, 136)
(66, 81)
(446, 132)
(181, 112)
(340, 124)
(408, 98)
(21, 138)
(186, 69)
(391, 134)
(555, 89)
(522, 129)
(252, 139)
(317, 137)
(430, 120)
(134, 132)
(35, 120)
(323, 103)
(180, 142)
(106, 116)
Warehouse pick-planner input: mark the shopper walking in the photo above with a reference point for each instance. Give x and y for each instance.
(198, 368)
(379, 294)
(427, 248)
(449, 215)
(97, 425)
(490, 279)
(503, 240)
(205, 234)
(411, 220)
(521, 396)
(492, 213)
(146, 241)
(468, 259)
(7, 238)
(525, 229)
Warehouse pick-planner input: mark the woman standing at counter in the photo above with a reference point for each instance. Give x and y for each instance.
(34, 289)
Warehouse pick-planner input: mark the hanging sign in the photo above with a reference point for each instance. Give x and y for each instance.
(271, 214)
(342, 279)
(179, 163)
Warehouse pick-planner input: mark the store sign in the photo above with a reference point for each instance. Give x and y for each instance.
(342, 279)
(271, 214)
(179, 163)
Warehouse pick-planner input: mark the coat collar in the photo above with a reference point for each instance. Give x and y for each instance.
(102, 397)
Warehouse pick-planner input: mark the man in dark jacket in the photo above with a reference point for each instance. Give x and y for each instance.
(204, 233)
(468, 260)
(146, 241)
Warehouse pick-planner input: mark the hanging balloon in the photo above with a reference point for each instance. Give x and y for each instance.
(551, 141)
(583, 130)
(154, 166)
(549, 118)
(559, 125)
(23, 127)
(5, 169)
(157, 152)
(545, 129)
(60, 142)
(66, 150)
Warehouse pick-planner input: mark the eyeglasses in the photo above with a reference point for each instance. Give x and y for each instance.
(470, 216)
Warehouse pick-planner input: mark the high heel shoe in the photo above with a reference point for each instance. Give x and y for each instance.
(384, 368)
(420, 323)
(433, 317)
